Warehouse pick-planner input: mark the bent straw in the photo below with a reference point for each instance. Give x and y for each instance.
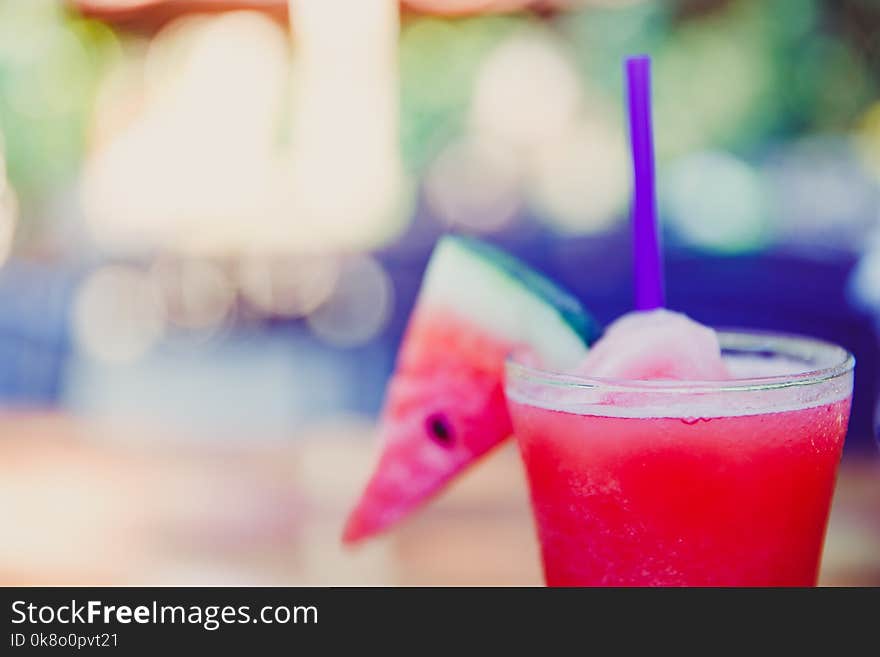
(646, 246)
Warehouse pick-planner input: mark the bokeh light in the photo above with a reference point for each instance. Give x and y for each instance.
(197, 294)
(580, 181)
(118, 314)
(716, 202)
(710, 89)
(822, 196)
(288, 286)
(359, 307)
(197, 157)
(345, 126)
(527, 90)
(475, 184)
(449, 53)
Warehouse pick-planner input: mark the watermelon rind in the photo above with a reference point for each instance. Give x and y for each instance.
(506, 297)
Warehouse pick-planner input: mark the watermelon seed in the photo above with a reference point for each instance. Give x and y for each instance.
(440, 429)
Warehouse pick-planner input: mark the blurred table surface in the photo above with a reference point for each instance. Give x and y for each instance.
(87, 502)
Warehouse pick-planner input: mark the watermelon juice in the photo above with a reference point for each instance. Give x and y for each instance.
(725, 483)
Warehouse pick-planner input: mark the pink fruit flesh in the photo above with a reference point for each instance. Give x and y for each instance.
(444, 409)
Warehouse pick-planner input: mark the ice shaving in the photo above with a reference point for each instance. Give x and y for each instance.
(655, 344)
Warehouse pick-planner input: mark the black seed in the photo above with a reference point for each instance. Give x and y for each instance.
(440, 429)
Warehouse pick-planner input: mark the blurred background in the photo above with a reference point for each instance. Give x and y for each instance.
(215, 214)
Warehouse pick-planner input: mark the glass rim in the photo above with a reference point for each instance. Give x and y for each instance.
(836, 362)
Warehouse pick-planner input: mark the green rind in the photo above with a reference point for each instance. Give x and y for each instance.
(563, 303)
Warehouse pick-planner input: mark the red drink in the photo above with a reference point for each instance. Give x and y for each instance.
(666, 483)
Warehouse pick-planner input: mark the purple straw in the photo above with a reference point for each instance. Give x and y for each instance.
(646, 245)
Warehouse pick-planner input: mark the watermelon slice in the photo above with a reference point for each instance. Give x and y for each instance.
(445, 406)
